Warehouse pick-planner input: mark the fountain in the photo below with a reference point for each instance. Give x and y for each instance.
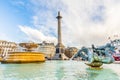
(29, 46)
(27, 55)
(97, 56)
(58, 70)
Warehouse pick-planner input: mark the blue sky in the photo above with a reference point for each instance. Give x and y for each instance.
(21, 12)
(12, 14)
(84, 22)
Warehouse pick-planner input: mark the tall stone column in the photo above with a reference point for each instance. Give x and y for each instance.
(59, 28)
(59, 46)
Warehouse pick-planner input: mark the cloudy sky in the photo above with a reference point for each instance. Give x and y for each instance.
(84, 22)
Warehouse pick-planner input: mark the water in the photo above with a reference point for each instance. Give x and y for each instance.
(58, 70)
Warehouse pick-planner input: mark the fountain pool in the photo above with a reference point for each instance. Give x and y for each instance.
(58, 70)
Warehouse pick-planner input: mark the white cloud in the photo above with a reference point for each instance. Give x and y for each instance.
(84, 22)
(3, 36)
(36, 35)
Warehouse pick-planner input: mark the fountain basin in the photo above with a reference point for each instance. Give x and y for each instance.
(58, 70)
(24, 57)
(95, 64)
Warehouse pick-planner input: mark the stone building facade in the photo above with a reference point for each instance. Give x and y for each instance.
(47, 48)
(70, 51)
(7, 47)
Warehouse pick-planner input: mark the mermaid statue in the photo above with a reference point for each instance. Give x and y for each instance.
(97, 56)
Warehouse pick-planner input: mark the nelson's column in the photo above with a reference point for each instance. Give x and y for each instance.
(59, 47)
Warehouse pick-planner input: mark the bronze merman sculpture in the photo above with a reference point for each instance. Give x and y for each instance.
(97, 60)
(96, 57)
